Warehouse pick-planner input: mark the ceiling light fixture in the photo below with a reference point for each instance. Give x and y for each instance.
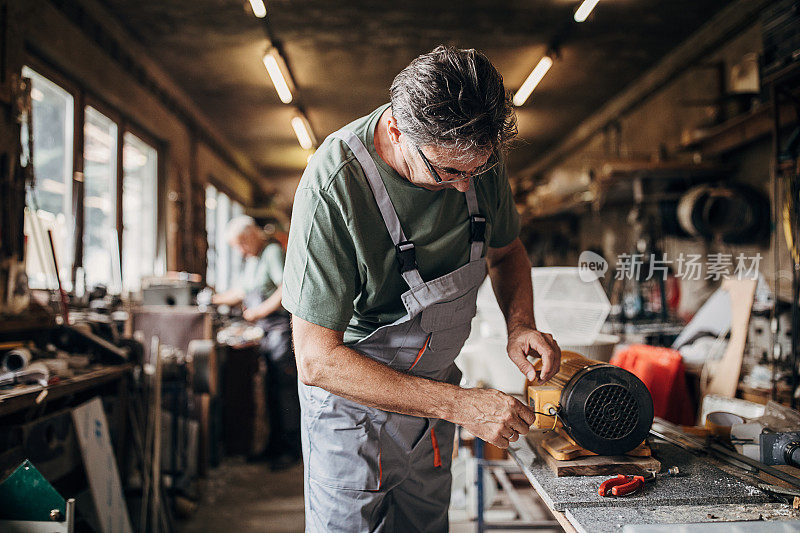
(533, 80)
(259, 9)
(585, 8)
(303, 131)
(279, 74)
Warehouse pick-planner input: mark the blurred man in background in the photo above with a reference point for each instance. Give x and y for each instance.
(259, 291)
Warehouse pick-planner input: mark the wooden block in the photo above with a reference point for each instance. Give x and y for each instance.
(493, 453)
(563, 448)
(595, 465)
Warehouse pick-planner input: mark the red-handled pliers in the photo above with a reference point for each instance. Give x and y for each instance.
(622, 485)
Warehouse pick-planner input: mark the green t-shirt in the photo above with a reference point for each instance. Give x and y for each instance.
(341, 269)
(263, 274)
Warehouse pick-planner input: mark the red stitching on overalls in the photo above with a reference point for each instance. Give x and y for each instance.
(437, 456)
(421, 351)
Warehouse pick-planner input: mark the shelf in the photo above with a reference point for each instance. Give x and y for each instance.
(736, 132)
(571, 205)
(614, 171)
(731, 134)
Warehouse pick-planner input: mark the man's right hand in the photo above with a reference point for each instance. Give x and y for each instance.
(493, 416)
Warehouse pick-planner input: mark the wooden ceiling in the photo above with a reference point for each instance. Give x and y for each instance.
(344, 55)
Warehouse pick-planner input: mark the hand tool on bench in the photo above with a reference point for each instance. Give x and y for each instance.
(623, 485)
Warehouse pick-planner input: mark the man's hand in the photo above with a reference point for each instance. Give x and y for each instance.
(493, 416)
(524, 341)
(250, 314)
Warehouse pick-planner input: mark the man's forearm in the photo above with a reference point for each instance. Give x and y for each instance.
(357, 377)
(270, 305)
(323, 361)
(230, 297)
(512, 285)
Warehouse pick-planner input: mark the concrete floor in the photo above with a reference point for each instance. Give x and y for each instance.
(248, 497)
(244, 497)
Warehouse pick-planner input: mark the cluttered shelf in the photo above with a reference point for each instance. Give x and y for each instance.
(22, 396)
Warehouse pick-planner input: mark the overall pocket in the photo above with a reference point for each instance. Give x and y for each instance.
(345, 448)
(449, 323)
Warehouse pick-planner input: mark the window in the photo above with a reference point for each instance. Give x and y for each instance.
(211, 233)
(52, 160)
(224, 263)
(139, 209)
(100, 244)
(235, 259)
(223, 250)
(54, 124)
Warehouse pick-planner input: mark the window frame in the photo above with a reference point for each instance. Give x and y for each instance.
(160, 205)
(227, 260)
(72, 89)
(83, 97)
(116, 119)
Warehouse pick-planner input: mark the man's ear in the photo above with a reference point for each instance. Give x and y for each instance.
(394, 132)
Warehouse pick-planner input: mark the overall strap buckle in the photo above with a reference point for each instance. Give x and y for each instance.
(406, 256)
(477, 228)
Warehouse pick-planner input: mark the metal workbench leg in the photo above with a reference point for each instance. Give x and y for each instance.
(500, 470)
(479, 483)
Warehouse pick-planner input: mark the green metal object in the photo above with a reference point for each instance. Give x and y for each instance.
(27, 495)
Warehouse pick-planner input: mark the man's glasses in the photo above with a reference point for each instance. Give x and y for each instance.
(462, 175)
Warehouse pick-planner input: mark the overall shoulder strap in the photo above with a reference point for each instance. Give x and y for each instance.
(404, 248)
(477, 223)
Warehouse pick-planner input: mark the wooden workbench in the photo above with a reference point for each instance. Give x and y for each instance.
(703, 493)
(30, 402)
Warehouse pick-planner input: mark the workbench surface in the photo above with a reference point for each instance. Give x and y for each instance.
(702, 493)
(22, 397)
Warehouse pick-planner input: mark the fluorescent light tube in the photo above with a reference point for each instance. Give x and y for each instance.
(585, 8)
(533, 80)
(303, 131)
(276, 68)
(259, 9)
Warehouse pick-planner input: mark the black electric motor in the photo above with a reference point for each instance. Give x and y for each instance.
(606, 409)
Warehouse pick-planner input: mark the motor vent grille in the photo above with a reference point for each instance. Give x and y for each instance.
(611, 411)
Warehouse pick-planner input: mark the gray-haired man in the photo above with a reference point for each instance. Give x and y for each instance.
(395, 221)
(259, 289)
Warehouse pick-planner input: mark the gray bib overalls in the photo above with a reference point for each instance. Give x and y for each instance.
(373, 470)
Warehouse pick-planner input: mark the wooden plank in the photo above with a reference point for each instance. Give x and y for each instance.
(204, 453)
(726, 372)
(91, 429)
(598, 465)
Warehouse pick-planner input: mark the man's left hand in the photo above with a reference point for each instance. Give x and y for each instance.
(524, 341)
(250, 315)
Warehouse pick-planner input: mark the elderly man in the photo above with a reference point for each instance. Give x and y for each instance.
(259, 291)
(396, 220)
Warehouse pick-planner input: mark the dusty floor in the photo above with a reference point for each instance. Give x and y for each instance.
(244, 497)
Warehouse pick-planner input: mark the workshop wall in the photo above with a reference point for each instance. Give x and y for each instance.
(53, 39)
(654, 130)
